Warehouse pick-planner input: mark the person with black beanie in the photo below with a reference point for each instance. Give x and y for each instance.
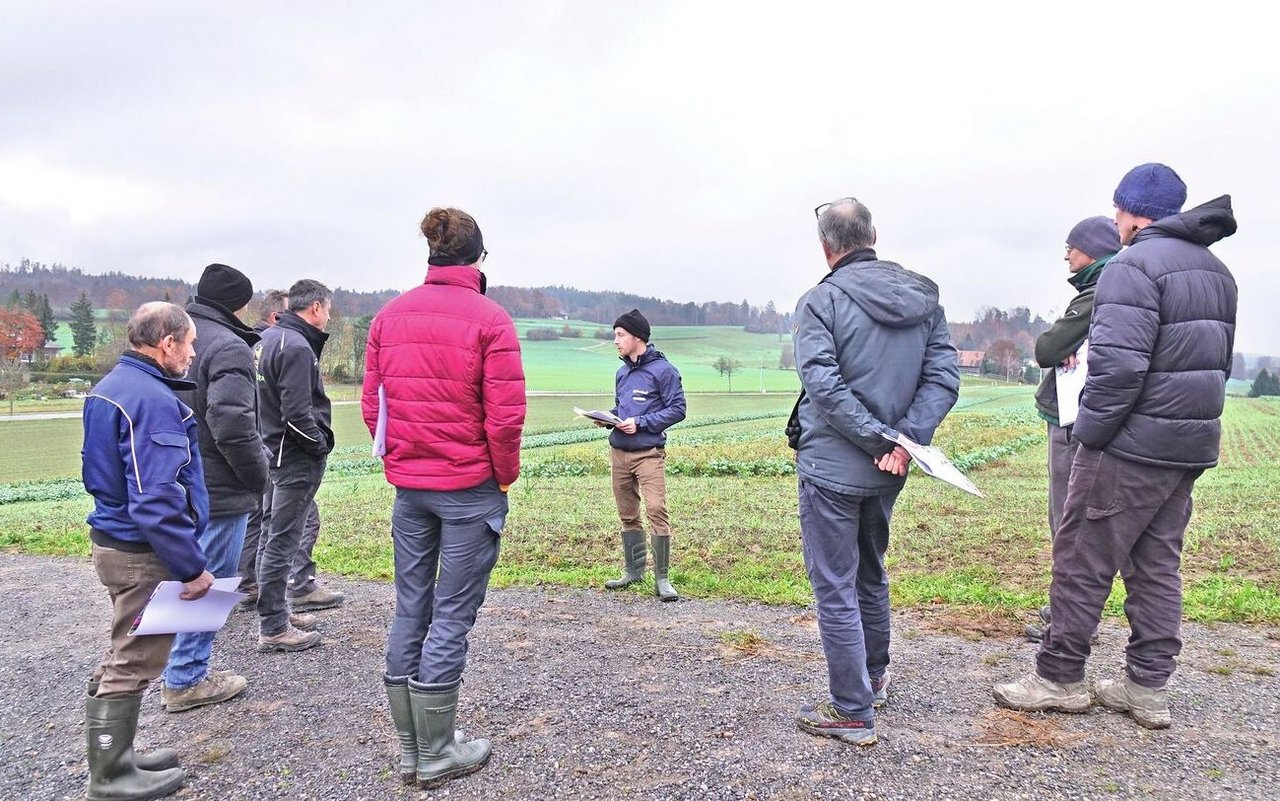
(649, 399)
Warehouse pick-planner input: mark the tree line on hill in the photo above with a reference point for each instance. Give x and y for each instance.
(37, 296)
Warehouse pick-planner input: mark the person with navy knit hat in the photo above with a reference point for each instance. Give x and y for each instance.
(1160, 347)
(1091, 244)
(650, 399)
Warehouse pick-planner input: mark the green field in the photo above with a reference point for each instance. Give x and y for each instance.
(732, 498)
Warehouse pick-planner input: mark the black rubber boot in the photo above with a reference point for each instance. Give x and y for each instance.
(110, 725)
(441, 755)
(633, 558)
(402, 716)
(159, 759)
(661, 562)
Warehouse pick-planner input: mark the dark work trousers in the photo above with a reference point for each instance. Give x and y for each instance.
(1128, 518)
(1062, 449)
(446, 544)
(845, 538)
(302, 570)
(295, 483)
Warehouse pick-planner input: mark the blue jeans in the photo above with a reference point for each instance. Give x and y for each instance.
(189, 657)
(845, 538)
(446, 544)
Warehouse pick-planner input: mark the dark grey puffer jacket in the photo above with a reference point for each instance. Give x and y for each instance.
(1160, 344)
(875, 356)
(226, 405)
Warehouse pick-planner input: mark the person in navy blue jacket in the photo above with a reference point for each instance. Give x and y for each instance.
(141, 464)
(649, 399)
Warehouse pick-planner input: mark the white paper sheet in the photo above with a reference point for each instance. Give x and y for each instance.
(166, 613)
(600, 416)
(380, 429)
(935, 463)
(1070, 384)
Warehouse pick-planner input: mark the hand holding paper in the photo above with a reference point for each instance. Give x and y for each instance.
(167, 613)
(935, 463)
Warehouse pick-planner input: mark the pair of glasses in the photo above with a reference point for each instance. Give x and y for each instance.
(484, 254)
(1070, 248)
(817, 212)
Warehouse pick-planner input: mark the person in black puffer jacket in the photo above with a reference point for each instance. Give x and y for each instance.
(1159, 357)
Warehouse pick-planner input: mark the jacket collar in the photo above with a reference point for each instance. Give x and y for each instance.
(316, 338)
(463, 275)
(215, 312)
(1089, 275)
(139, 361)
(650, 354)
(865, 254)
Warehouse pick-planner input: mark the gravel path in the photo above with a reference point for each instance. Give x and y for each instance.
(594, 695)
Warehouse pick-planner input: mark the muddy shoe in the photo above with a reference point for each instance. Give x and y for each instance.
(1035, 694)
(1148, 706)
(880, 691)
(214, 688)
(824, 720)
(250, 601)
(302, 621)
(317, 599)
(290, 639)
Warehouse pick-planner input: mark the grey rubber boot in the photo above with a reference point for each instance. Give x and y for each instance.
(661, 562)
(402, 716)
(633, 556)
(109, 726)
(441, 755)
(159, 759)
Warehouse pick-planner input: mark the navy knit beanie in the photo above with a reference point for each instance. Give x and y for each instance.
(1151, 190)
(633, 323)
(1096, 237)
(225, 286)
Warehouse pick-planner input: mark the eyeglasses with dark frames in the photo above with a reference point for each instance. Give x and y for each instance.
(817, 212)
(484, 254)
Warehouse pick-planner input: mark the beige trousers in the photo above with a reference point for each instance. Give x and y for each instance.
(636, 475)
(129, 663)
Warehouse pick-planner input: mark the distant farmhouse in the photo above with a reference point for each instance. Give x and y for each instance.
(971, 361)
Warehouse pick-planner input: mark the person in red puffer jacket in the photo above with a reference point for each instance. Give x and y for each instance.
(444, 398)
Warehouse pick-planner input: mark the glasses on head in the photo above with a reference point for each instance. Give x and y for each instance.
(817, 212)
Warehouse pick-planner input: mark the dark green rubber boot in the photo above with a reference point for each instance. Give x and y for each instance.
(159, 759)
(661, 562)
(402, 716)
(633, 556)
(441, 755)
(110, 725)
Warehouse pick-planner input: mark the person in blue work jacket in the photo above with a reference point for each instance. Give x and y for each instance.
(649, 399)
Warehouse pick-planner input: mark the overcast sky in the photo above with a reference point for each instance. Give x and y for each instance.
(669, 149)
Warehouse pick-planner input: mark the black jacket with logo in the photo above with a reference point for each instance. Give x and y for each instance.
(296, 417)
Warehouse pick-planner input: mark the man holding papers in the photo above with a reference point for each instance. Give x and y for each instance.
(1159, 355)
(648, 399)
(1091, 243)
(875, 357)
(142, 466)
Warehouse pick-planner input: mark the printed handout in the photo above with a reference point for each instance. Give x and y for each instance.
(166, 613)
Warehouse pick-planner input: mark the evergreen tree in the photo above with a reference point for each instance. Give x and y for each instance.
(1265, 384)
(45, 313)
(83, 331)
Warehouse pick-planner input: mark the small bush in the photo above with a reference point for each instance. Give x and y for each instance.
(541, 334)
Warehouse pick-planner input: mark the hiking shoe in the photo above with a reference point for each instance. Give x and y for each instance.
(880, 691)
(250, 601)
(1148, 706)
(1035, 694)
(288, 640)
(302, 621)
(317, 599)
(1035, 631)
(824, 720)
(214, 688)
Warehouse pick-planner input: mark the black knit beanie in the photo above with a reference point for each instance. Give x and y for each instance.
(225, 286)
(633, 323)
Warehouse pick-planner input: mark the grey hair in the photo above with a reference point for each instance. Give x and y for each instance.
(307, 291)
(274, 302)
(152, 322)
(845, 226)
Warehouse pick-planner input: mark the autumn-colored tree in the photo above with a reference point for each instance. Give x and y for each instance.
(20, 333)
(1004, 354)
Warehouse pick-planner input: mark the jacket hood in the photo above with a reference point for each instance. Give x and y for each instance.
(889, 294)
(452, 275)
(316, 338)
(1203, 225)
(216, 312)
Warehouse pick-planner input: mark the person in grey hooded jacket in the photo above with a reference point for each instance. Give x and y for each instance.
(1160, 349)
(876, 360)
